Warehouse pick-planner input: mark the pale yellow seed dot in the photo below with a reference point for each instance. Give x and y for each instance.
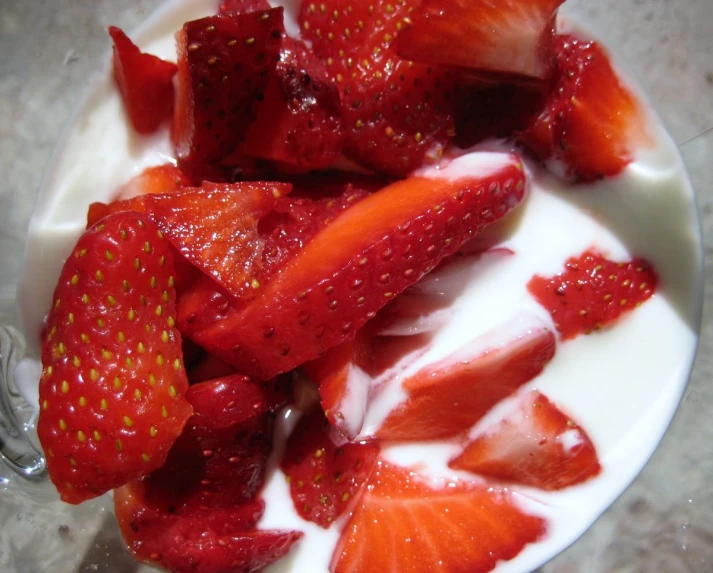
(117, 383)
(159, 310)
(121, 337)
(75, 280)
(123, 234)
(162, 260)
(100, 323)
(45, 404)
(106, 354)
(111, 300)
(119, 445)
(137, 394)
(125, 285)
(94, 374)
(131, 315)
(159, 360)
(358, 124)
(129, 362)
(171, 322)
(81, 436)
(159, 234)
(62, 424)
(72, 462)
(84, 338)
(50, 369)
(147, 247)
(109, 255)
(97, 436)
(137, 263)
(104, 405)
(172, 391)
(164, 412)
(255, 283)
(153, 282)
(250, 41)
(61, 349)
(82, 401)
(164, 336)
(153, 431)
(176, 364)
(152, 379)
(141, 348)
(57, 303)
(70, 318)
(85, 298)
(146, 457)
(99, 276)
(76, 362)
(82, 253)
(171, 282)
(164, 296)
(65, 387)
(128, 422)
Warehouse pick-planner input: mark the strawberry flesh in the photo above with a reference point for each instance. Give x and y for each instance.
(145, 83)
(358, 263)
(113, 386)
(299, 122)
(324, 477)
(224, 65)
(508, 37)
(155, 180)
(447, 398)
(591, 123)
(536, 445)
(593, 292)
(403, 523)
(397, 114)
(242, 6)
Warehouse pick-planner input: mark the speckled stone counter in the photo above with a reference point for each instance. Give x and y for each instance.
(662, 524)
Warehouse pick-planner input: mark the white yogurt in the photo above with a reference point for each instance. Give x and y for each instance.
(622, 385)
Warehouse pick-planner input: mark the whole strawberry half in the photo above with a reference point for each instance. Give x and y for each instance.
(324, 477)
(404, 522)
(397, 114)
(359, 262)
(591, 124)
(593, 292)
(144, 81)
(299, 122)
(199, 512)
(535, 444)
(112, 392)
(224, 65)
(507, 37)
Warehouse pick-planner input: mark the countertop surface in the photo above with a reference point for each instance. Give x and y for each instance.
(662, 523)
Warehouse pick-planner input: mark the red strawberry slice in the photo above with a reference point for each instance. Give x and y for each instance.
(215, 227)
(591, 124)
(397, 114)
(224, 65)
(535, 445)
(324, 477)
(299, 122)
(242, 6)
(112, 390)
(404, 523)
(144, 81)
(199, 512)
(359, 262)
(343, 383)
(511, 37)
(155, 180)
(593, 292)
(447, 398)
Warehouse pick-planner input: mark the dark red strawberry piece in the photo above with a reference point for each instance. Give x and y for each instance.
(397, 114)
(447, 398)
(535, 445)
(242, 6)
(593, 292)
(198, 513)
(495, 111)
(144, 81)
(404, 522)
(224, 65)
(358, 263)
(324, 477)
(112, 390)
(591, 124)
(508, 37)
(299, 122)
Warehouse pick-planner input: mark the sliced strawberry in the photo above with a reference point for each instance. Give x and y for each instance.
(512, 37)
(593, 292)
(487, 111)
(359, 262)
(112, 390)
(242, 6)
(145, 83)
(154, 180)
(535, 445)
(343, 384)
(207, 367)
(224, 65)
(404, 523)
(294, 221)
(215, 227)
(299, 122)
(323, 476)
(97, 211)
(397, 114)
(591, 124)
(198, 513)
(447, 398)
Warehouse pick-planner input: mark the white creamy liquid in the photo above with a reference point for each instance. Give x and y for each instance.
(621, 385)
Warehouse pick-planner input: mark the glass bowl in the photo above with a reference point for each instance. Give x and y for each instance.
(663, 522)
